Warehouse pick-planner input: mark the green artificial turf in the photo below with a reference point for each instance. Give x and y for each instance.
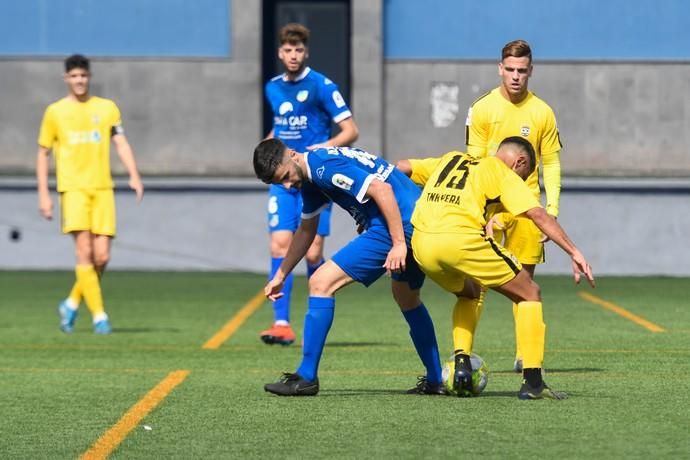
(629, 387)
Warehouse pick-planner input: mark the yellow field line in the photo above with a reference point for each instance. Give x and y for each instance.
(622, 311)
(115, 435)
(235, 322)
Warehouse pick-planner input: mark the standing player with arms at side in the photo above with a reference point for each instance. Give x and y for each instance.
(78, 130)
(304, 103)
(513, 110)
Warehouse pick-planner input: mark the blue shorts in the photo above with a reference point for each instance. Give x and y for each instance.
(363, 258)
(285, 211)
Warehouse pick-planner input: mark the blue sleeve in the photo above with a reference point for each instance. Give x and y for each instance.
(313, 201)
(333, 102)
(267, 92)
(342, 174)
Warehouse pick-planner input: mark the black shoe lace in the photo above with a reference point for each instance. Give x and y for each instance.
(421, 382)
(289, 377)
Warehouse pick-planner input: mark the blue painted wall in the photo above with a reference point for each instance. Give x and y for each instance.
(561, 30)
(127, 28)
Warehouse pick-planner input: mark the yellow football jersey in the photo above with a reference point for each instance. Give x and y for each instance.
(79, 135)
(492, 118)
(460, 190)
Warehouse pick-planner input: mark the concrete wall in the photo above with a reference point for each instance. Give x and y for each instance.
(204, 116)
(367, 73)
(207, 227)
(614, 119)
(181, 116)
(624, 231)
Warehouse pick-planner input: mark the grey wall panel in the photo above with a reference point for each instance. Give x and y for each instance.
(367, 73)
(620, 232)
(181, 116)
(189, 117)
(614, 119)
(197, 230)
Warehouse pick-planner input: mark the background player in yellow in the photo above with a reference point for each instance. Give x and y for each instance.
(451, 244)
(78, 130)
(513, 110)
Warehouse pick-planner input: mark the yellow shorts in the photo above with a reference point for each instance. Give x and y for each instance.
(92, 210)
(449, 258)
(522, 238)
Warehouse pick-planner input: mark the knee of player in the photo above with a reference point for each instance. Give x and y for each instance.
(313, 258)
(471, 290)
(534, 291)
(280, 245)
(406, 298)
(321, 286)
(101, 259)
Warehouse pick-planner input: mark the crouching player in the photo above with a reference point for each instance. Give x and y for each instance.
(454, 246)
(381, 200)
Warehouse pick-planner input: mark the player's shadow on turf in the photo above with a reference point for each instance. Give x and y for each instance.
(573, 370)
(359, 344)
(499, 394)
(361, 392)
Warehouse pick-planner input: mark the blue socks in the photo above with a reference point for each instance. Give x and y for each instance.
(424, 339)
(317, 323)
(281, 307)
(312, 268)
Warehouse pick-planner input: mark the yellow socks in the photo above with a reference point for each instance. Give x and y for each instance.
(90, 286)
(531, 332)
(75, 295)
(518, 355)
(466, 315)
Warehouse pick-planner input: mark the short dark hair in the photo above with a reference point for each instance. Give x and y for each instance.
(77, 61)
(522, 144)
(268, 155)
(518, 49)
(293, 33)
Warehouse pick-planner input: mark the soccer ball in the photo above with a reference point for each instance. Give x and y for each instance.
(480, 374)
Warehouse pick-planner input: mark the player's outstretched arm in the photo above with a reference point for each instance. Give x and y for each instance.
(551, 228)
(124, 151)
(301, 240)
(382, 194)
(405, 167)
(45, 203)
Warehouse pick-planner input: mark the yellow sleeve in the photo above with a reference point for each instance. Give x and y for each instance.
(422, 169)
(551, 139)
(48, 132)
(476, 134)
(116, 120)
(551, 169)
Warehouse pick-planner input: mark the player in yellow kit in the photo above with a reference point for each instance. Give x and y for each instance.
(513, 110)
(78, 130)
(454, 247)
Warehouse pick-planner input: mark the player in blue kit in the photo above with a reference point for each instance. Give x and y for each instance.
(381, 199)
(304, 104)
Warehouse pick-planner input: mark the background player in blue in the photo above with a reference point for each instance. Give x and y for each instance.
(304, 103)
(381, 199)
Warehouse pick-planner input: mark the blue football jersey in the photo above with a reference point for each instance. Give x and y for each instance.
(303, 109)
(343, 175)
